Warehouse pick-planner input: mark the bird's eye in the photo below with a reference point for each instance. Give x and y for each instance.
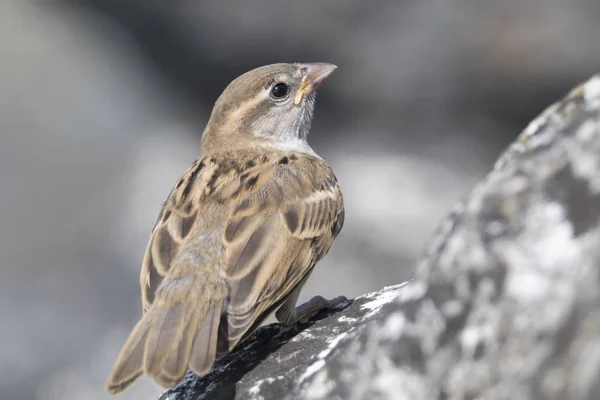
(280, 90)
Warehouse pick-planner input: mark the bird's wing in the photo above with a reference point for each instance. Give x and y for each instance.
(273, 239)
(172, 230)
(181, 282)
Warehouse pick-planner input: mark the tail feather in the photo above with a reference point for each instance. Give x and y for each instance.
(114, 388)
(204, 349)
(165, 342)
(176, 364)
(128, 366)
(166, 381)
(167, 330)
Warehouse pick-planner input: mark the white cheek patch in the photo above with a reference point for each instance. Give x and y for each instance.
(277, 122)
(286, 125)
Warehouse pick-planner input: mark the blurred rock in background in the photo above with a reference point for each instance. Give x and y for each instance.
(102, 103)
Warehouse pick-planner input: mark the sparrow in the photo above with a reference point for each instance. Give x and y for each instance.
(240, 232)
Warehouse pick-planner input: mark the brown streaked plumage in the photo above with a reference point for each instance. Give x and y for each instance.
(240, 231)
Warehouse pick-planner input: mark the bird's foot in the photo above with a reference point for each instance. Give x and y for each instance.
(312, 307)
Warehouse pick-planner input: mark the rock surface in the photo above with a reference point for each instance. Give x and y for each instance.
(506, 303)
(273, 361)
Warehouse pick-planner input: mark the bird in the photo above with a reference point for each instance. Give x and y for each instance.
(239, 233)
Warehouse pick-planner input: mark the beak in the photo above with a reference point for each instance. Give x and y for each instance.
(313, 76)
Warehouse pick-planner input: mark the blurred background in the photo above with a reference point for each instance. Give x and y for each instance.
(102, 104)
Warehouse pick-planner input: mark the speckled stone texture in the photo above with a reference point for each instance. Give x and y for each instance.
(505, 304)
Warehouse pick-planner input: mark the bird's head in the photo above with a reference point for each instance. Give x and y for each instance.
(271, 105)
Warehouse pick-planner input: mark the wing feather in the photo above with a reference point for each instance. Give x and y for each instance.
(273, 241)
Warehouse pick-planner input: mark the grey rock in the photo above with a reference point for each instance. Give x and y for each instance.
(276, 359)
(505, 304)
